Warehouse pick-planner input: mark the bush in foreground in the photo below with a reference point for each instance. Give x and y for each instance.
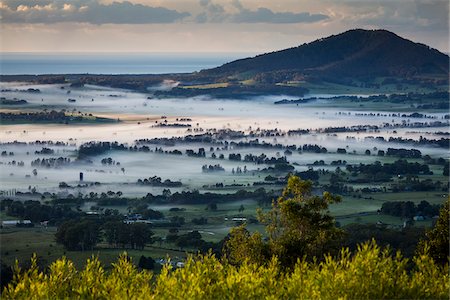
(371, 273)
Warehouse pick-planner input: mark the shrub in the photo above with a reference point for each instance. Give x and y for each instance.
(370, 273)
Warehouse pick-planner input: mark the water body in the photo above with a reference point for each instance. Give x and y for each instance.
(112, 63)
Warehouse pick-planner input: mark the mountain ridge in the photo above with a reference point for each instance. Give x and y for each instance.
(356, 52)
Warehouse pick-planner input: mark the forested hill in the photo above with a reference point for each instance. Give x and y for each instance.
(366, 53)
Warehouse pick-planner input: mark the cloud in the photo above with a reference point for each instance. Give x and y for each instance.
(416, 15)
(213, 13)
(85, 11)
(216, 13)
(264, 15)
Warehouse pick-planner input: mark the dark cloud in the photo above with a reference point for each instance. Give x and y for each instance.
(91, 11)
(216, 13)
(431, 15)
(264, 15)
(88, 11)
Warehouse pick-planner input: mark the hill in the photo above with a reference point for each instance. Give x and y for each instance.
(352, 54)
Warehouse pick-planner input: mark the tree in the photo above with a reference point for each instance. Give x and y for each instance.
(78, 235)
(140, 234)
(242, 246)
(298, 225)
(111, 232)
(147, 263)
(135, 235)
(190, 239)
(437, 239)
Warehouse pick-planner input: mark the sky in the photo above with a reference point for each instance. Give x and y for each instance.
(250, 26)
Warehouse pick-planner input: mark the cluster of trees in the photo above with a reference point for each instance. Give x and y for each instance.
(263, 159)
(313, 148)
(234, 156)
(109, 161)
(177, 221)
(265, 145)
(191, 239)
(96, 148)
(399, 167)
(4, 101)
(408, 209)
(435, 161)
(42, 116)
(279, 168)
(239, 170)
(413, 183)
(404, 153)
(37, 212)
(44, 150)
(157, 181)
(309, 174)
(85, 234)
(16, 163)
(212, 168)
(404, 240)
(173, 152)
(201, 153)
(177, 125)
(195, 197)
(409, 97)
(51, 162)
(134, 236)
(78, 234)
(442, 142)
(221, 156)
(48, 116)
(148, 213)
(5, 153)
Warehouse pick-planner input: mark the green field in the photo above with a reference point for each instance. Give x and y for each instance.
(21, 243)
(206, 86)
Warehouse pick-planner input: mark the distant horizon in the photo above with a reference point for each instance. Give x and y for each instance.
(26, 63)
(124, 52)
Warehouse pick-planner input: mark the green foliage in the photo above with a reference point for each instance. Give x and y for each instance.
(298, 225)
(147, 263)
(243, 246)
(371, 273)
(437, 239)
(78, 235)
(134, 235)
(405, 240)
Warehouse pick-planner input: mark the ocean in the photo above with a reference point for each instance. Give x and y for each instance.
(112, 63)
